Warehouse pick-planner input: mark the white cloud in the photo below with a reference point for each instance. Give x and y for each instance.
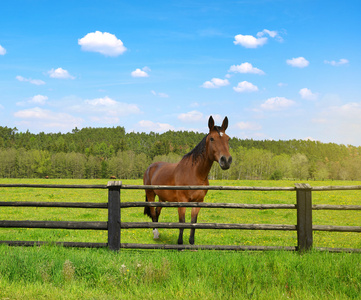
(307, 94)
(341, 123)
(106, 101)
(342, 61)
(102, 42)
(245, 68)
(40, 119)
(248, 126)
(249, 41)
(140, 73)
(277, 103)
(32, 81)
(245, 86)
(192, 116)
(215, 83)
(106, 109)
(39, 99)
(155, 127)
(299, 62)
(161, 95)
(60, 73)
(2, 50)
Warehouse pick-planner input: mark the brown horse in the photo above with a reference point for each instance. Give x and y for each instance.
(193, 169)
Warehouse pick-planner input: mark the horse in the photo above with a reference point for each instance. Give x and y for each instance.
(193, 169)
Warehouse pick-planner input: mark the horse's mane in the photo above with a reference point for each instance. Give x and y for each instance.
(200, 149)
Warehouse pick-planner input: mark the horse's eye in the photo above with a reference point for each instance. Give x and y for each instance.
(212, 139)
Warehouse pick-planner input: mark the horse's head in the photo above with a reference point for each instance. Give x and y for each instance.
(217, 143)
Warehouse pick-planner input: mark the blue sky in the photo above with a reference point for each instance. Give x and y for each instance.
(278, 69)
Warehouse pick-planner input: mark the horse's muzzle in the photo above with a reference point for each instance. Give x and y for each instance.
(225, 162)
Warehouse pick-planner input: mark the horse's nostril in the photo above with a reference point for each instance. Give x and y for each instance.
(225, 162)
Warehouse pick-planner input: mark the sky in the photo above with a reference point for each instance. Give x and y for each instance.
(279, 70)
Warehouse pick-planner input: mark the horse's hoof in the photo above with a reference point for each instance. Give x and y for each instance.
(155, 234)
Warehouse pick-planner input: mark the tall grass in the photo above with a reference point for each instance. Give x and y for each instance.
(58, 273)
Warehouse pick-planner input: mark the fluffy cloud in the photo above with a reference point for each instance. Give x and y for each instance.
(60, 73)
(245, 68)
(341, 123)
(102, 42)
(155, 127)
(248, 126)
(39, 118)
(244, 87)
(140, 73)
(192, 116)
(299, 62)
(105, 110)
(215, 83)
(39, 99)
(2, 50)
(342, 61)
(32, 81)
(249, 41)
(277, 103)
(307, 94)
(109, 106)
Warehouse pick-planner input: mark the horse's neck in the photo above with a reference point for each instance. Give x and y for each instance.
(200, 168)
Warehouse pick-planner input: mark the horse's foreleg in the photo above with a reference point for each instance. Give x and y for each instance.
(155, 230)
(152, 212)
(194, 215)
(182, 219)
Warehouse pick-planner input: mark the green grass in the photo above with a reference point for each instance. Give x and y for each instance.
(51, 272)
(203, 237)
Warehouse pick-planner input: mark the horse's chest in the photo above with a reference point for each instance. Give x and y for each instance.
(194, 195)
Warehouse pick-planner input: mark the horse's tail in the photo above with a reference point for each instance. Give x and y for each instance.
(147, 208)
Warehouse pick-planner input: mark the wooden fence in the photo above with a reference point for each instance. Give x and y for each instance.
(303, 207)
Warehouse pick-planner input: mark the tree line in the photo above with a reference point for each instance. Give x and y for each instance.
(106, 152)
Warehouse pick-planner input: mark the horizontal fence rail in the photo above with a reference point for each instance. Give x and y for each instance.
(303, 207)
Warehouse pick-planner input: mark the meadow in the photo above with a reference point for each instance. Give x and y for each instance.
(62, 273)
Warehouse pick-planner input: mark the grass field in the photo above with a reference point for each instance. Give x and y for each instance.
(51, 272)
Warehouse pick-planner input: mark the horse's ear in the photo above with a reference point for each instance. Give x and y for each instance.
(225, 123)
(210, 123)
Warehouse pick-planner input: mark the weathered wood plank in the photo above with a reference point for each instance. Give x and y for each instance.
(64, 244)
(335, 207)
(55, 224)
(204, 247)
(336, 228)
(55, 204)
(304, 216)
(336, 187)
(202, 187)
(204, 204)
(56, 186)
(128, 225)
(114, 215)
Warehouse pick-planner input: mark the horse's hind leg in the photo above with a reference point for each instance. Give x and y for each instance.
(194, 215)
(182, 219)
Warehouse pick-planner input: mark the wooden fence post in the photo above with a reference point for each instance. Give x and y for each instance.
(114, 215)
(304, 216)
